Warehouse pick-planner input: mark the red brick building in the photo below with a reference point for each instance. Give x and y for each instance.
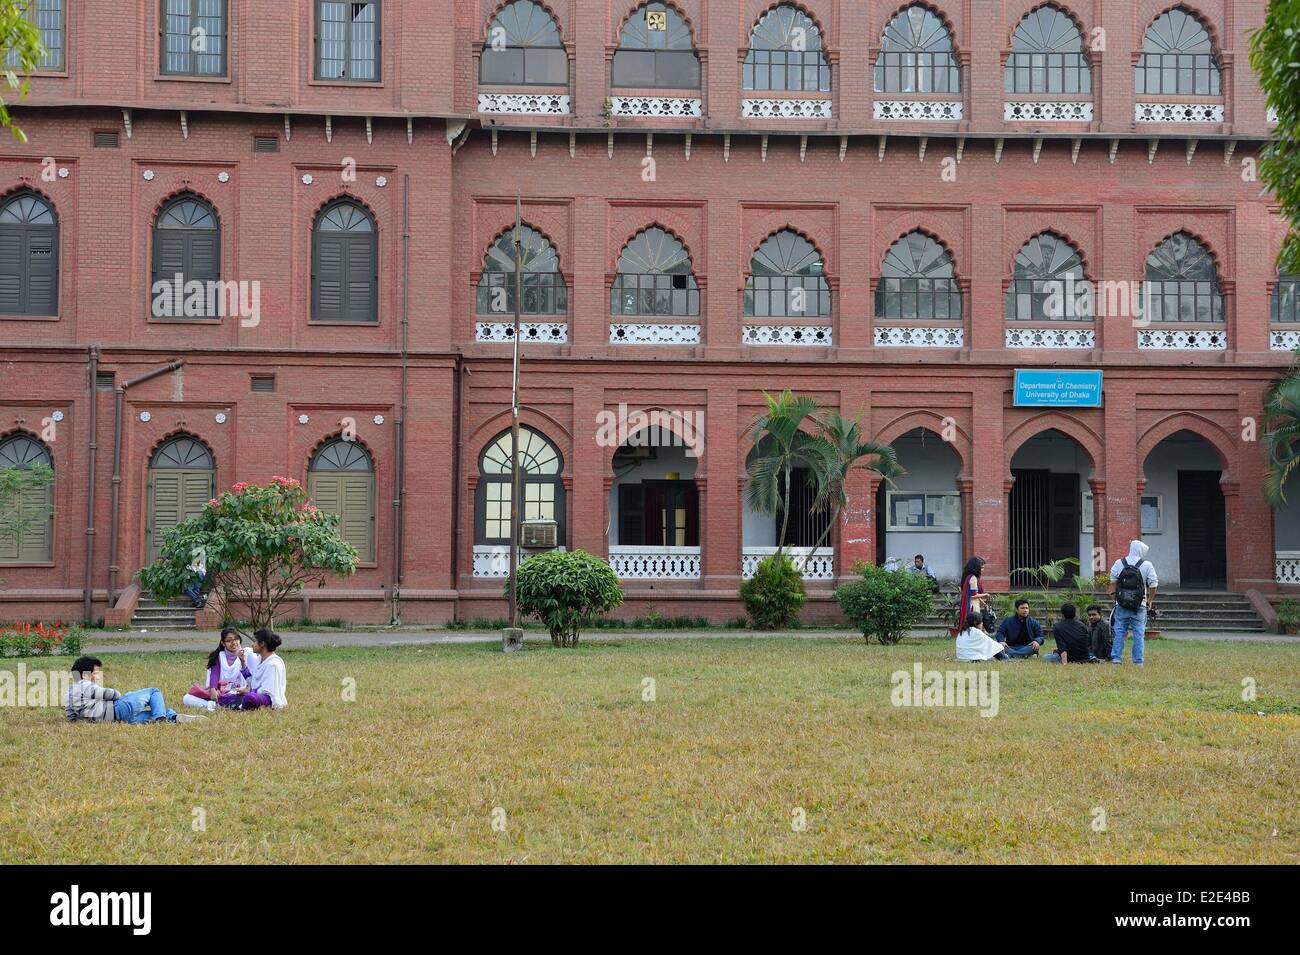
(861, 202)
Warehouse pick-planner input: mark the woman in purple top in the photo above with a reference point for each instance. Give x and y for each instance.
(227, 669)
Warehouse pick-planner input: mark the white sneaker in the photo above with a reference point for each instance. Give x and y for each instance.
(187, 718)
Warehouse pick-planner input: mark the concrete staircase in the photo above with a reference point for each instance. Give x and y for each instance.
(152, 615)
(1190, 611)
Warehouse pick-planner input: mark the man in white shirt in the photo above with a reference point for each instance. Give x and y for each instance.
(1133, 585)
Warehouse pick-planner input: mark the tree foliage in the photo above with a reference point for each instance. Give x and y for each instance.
(885, 603)
(775, 594)
(565, 588)
(260, 546)
(18, 488)
(21, 41)
(1282, 434)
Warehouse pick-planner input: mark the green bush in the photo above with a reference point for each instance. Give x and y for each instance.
(563, 588)
(1288, 614)
(885, 603)
(775, 594)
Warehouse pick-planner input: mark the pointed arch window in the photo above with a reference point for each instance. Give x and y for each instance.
(524, 48)
(29, 524)
(29, 256)
(341, 480)
(655, 277)
(186, 248)
(917, 55)
(917, 281)
(785, 53)
(1182, 283)
(182, 479)
(1047, 55)
(787, 279)
(655, 51)
(1048, 282)
(1284, 305)
(544, 289)
(1178, 57)
(541, 485)
(345, 264)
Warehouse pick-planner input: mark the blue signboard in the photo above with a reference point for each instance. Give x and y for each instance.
(1058, 388)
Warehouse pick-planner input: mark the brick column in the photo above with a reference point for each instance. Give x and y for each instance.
(720, 539)
(589, 303)
(983, 298)
(990, 484)
(588, 501)
(1124, 477)
(1098, 564)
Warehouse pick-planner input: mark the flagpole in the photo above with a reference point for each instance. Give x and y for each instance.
(515, 511)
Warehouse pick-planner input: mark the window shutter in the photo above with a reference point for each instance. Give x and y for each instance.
(165, 508)
(42, 274)
(37, 541)
(359, 514)
(11, 271)
(327, 287)
(204, 254)
(168, 255)
(196, 491)
(631, 514)
(361, 279)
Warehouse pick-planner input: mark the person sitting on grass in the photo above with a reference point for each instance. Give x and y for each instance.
(228, 668)
(1022, 634)
(1099, 636)
(88, 699)
(267, 682)
(973, 642)
(1072, 641)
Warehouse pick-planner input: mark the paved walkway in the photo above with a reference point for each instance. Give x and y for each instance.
(158, 640)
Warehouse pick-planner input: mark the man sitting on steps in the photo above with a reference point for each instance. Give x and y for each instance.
(1022, 634)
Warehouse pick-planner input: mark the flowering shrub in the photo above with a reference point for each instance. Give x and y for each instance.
(260, 546)
(40, 639)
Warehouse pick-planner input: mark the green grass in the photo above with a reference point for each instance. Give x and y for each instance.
(741, 734)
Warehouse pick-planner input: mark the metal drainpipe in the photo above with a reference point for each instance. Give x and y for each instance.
(399, 496)
(119, 401)
(92, 447)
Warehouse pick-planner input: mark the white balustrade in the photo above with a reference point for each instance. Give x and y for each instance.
(528, 104)
(1180, 340)
(786, 335)
(920, 336)
(1178, 112)
(655, 563)
(635, 333)
(557, 333)
(1286, 565)
(1018, 337)
(785, 108)
(1046, 111)
(925, 110)
(818, 564)
(1287, 340)
(653, 106)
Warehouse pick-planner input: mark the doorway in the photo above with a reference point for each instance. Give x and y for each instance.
(1045, 519)
(1202, 531)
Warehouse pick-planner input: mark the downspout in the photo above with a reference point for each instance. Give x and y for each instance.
(457, 411)
(92, 447)
(399, 496)
(118, 403)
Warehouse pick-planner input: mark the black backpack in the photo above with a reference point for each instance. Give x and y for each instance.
(1130, 586)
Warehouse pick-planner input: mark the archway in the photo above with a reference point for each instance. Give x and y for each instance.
(654, 507)
(807, 536)
(1184, 516)
(921, 514)
(182, 478)
(1051, 513)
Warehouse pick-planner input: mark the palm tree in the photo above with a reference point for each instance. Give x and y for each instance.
(1282, 412)
(781, 445)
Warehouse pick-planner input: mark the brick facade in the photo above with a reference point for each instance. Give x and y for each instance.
(440, 180)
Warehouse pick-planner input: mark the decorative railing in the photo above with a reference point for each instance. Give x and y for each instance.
(1182, 340)
(1051, 337)
(920, 336)
(1046, 111)
(625, 333)
(786, 335)
(1286, 566)
(655, 106)
(1178, 112)
(1287, 340)
(785, 108)
(532, 104)
(556, 333)
(918, 109)
(655, 563)
(818, 564)
(491, 560)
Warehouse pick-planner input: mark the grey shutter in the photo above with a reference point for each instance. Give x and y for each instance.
(327, 277)
(168, 255)
(352, 497)
(42, 272)
(203, 253)
(361, 278)
(12, 271)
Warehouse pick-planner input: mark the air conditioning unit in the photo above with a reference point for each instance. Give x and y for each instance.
(538, 535)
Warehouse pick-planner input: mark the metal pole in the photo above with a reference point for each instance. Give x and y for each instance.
(515, 510)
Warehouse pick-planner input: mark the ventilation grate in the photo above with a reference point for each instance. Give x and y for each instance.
(266, 144)
(105, 380)
(263, 384)
(106, 140)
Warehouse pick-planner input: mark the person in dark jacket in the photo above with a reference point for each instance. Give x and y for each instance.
(1099, 636)
(1022, 634)
(1072, 643)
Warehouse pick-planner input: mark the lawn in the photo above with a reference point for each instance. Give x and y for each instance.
(562, 752)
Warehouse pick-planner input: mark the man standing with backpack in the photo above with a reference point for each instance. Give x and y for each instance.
(1134, 591)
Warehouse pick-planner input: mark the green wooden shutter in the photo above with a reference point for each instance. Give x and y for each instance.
(350, 496)
(37, 539)
(196, 491)
(12, 271)
(164, 507)
(327, 277)
(42, 273)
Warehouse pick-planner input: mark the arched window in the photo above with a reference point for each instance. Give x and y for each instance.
(1048, 282)
(194, 37)
(28, 528)
(1047, 55)
(29, 256)
(1178, 57)
(1285, 303)
(345, 264)
(916, 55)
(181, 482)
(186, 248)
(785, 53)
(341, 480)
(523, 48)
(1182, 283)
(543, 284)
(654, 277)
(655, 51)
(787, 278)
(541, 485)
(917, 281)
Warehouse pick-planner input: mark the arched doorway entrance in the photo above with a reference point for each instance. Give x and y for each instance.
(921, 512)
(182, 479)
(1184, 517)
(1050, 515)
(654, 507)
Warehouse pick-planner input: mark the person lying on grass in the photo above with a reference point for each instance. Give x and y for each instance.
(88, 699)
(267, 686)
(229, 667)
